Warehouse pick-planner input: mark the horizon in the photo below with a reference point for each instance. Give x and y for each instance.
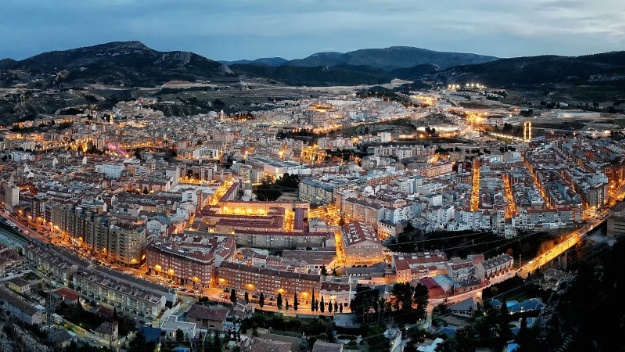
(295, 58)
(248, 30)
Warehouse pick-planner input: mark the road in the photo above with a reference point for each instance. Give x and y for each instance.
(572, 239)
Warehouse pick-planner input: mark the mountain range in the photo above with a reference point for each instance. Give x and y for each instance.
(129, 63)
(134, 64)
(391, 58)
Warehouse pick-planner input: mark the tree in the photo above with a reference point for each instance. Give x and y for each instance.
(279, 301)
(421, 297)
(233, 296)
(179, 335)
(361, 303)
(403, 294)
(295, 303)
(247, 297)
(336, 307)
(324, 271)
(286, 304)
(312, 301)
(261, 300)
(341, 309)
(323, 305)
(330, 307)
(217, 340)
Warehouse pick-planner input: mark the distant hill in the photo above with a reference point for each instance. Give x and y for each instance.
(605, 67)
(133, 64)
(392, 58)
(364, 66)
(316, 76)
(267, 61)
(6, 63)
(129, 63)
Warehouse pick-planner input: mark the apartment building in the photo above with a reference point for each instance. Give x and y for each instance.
(127, 243)
(270, 282)
(361, 244)
(494, 266)
(23, 310)
(125, 293)
(184, 266)
(414, 266)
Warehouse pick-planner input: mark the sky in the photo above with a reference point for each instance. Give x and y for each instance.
(250, 29)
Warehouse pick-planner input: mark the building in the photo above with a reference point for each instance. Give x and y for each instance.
(11, 197)
(107, 331)
(185, 266)
(414, 266)
(20, 308)
(464, 308)
(170, 326)
(270, 282)
(316, 191)
(256, 344)
(211, 318)
(322, 346)
(19, 285)
(125, 293)
(361, 244)
(493, 266)
(616, 220)
(127, 243)
(434, 289)
(283, 240)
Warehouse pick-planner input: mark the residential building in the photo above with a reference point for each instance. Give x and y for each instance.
(361, 244)
(20, 308)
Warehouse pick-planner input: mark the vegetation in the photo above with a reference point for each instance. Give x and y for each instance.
(270, 191)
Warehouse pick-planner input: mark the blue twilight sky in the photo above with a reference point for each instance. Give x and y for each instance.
(249, 29)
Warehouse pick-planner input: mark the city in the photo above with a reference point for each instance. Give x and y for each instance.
(147, 216)
(312, 176)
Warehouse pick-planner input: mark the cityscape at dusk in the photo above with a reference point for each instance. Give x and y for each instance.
(312, 176)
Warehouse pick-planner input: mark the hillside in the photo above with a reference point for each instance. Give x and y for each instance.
(267, 61)
(118, 63)
(605, 67)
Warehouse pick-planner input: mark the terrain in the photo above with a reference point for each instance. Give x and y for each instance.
(186, 83)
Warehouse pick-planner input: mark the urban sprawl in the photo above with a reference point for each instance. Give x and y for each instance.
(129, 210)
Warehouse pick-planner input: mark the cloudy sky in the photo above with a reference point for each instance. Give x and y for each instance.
(248, 29)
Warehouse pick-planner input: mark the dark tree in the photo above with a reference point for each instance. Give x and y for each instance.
(421, 297)
(295, 303)
(330, 307)
(312, 301)
(336, 307)
(233, 296)
(286, 304)
(324, 271)
(247, 297)
(179, 335)
(279, 301)
(261, 300)
(322, 307)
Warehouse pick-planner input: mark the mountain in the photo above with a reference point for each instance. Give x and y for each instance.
(267, 61)
(392, 58)
(364, 66)
(6, 63)
(316, 76)
(129, 63)
(604, 67)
